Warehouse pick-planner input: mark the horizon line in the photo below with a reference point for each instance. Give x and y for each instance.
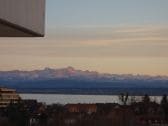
(132, 74)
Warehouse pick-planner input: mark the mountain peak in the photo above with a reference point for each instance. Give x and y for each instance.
(70, 68)
(47, 68)
(71, 72)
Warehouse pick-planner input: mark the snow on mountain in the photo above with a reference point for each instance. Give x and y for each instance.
(72, 73)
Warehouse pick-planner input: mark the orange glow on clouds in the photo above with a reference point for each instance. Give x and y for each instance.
(126, 49)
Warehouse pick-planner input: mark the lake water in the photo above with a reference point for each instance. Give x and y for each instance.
(65, 99)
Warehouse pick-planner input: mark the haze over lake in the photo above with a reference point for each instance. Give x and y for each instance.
(65, 99)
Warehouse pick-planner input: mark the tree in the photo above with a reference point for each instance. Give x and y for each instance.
(133, 99)
(17, 115)
(164, 105)
(123, 98)
(146, 99)
(164, 100)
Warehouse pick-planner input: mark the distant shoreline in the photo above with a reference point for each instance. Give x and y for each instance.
(54, 93)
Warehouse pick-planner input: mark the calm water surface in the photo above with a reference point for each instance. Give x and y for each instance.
(65, 99)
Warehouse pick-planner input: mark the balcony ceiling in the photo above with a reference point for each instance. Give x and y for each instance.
(11, 30)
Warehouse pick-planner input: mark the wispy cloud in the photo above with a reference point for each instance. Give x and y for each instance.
(93, 41)
(93, 33)
(123, 49)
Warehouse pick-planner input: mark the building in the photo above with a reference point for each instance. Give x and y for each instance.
(121, 116)
(150, 120)
(7, 96)
(78, 108)
(22, 18)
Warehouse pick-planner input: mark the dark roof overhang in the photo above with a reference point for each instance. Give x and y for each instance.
(8, 29)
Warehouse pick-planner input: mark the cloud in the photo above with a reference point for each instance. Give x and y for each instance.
(121, 33)
(93, 41)
(122, 49)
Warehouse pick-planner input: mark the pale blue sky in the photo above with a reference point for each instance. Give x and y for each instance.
(110, 36)
(106, 12)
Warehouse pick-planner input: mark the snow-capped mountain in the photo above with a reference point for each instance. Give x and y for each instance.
(69, 80)
(72, 73)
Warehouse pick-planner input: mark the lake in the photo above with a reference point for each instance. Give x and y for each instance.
(65, 99)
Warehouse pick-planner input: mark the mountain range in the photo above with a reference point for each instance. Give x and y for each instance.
(70, 80)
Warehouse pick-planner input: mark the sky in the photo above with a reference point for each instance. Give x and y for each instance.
(108, 36)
